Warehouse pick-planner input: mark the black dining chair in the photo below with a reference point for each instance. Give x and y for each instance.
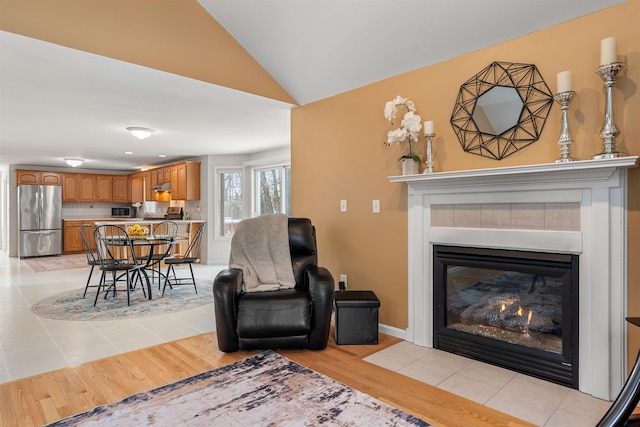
(192, 255)
(163, 231)
(89, 245)
(117, 255)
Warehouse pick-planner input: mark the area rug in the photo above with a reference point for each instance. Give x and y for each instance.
(263, 390)
(63, 262)
(70, 305)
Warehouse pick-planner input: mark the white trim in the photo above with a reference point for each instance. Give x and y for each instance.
(600, 188)
(268, 161)
(217, 206)
(394, 332)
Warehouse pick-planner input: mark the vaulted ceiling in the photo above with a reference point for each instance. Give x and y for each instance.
(217, 76)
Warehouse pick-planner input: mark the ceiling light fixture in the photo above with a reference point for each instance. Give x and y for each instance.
(162, 155)
(140, 133)
(74, 162)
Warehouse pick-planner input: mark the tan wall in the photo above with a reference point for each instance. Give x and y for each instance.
(338, 151)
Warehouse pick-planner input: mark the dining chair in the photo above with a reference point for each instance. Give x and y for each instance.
(163, 231)
(89, 245)
(191, 255)
(116, 254)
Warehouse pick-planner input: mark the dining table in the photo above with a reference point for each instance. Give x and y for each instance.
(146, 247)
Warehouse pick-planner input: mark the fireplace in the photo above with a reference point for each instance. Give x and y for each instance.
(576, 208)
(515, 309)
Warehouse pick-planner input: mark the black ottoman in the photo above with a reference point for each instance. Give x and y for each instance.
(356, 317)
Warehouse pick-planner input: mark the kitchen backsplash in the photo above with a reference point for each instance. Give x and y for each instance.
(89, 210)
(103, 210)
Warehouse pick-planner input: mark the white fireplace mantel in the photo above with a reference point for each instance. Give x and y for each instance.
(598, 187)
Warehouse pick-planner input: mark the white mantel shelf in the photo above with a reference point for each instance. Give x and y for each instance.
(597, 188)
(588, 169)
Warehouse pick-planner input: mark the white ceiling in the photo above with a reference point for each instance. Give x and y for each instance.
(58, 102)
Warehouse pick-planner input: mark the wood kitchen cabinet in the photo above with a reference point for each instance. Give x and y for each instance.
(104, 188)
(38, 177)
(86, 187)
(149, 195)
(136, 188)
(69, 187)
(72, 240)
(185, 181)
(166, 175)
(120, 189)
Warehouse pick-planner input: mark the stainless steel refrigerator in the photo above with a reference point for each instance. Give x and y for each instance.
(40, 219)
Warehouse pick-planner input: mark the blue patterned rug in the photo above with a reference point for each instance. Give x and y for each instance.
(70, 305)
(263, 390)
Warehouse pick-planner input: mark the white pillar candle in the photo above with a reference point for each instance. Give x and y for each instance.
(428, 127)
(564, 81)
(608, 52)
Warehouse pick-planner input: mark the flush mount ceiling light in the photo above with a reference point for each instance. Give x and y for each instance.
(140, 133)
(74, 162)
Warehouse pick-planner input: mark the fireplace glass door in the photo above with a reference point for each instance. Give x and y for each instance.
(510, 308)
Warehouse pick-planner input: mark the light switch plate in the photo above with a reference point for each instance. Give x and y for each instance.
(376, 206)
(343, 205)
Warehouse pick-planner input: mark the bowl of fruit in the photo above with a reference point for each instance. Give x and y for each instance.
(137, 230)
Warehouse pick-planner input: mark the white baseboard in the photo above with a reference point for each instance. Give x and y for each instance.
(394, 332)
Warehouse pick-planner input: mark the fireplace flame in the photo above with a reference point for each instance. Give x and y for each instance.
(530, 315)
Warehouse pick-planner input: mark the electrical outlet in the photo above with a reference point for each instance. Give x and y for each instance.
(343, 205)
(343, 278)
(376, 206)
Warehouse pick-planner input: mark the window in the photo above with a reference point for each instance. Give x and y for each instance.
(273, 193)
(230, 201)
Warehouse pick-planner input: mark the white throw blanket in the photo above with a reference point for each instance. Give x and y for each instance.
(260, 248)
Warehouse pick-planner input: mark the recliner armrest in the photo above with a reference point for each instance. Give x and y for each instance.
(227, 287)
(321, 288)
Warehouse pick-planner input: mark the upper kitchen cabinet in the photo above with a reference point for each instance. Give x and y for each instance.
(137, 182)
(104, 188)
(164, 175)
(87, 188)
(185, 181)
(38, 177)
(70, 187)
(150, 178)
(120, 189)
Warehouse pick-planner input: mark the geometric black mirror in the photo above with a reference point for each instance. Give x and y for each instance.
(501, 110)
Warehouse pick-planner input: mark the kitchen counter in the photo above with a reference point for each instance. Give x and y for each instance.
(146, 221)
(110, 220)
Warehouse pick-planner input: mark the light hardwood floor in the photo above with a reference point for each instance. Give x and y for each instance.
(51, 396)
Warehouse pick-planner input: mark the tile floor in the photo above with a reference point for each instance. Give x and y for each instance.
(539, 402)
(30, 345)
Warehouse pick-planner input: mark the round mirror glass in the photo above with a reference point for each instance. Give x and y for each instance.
(497, 110)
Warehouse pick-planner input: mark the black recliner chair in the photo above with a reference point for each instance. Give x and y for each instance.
(288, 318)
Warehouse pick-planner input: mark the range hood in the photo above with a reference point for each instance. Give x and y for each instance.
(162, 187)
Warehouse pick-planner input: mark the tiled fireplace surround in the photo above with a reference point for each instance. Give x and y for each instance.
(577, 207)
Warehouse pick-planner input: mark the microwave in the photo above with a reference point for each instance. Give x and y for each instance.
(122, 212)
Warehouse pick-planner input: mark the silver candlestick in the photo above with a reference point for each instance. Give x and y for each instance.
(609, 132)
(429, 161)
(565, 140)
